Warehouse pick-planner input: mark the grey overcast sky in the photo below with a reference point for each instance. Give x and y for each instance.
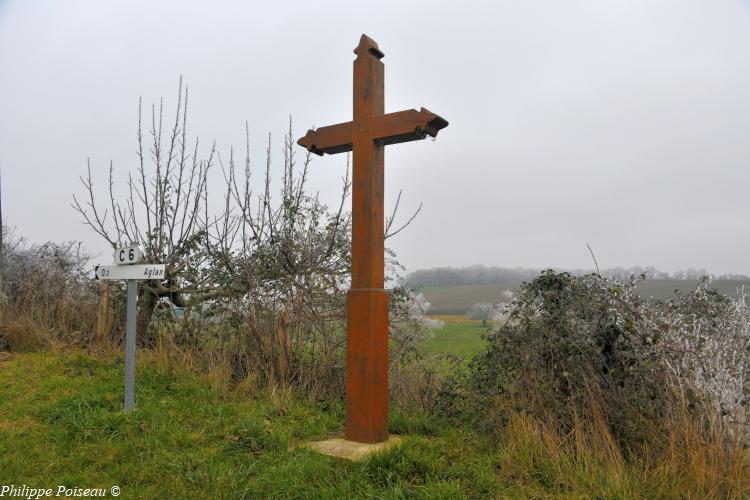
(624, 124)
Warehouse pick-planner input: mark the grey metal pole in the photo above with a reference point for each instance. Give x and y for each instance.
(130, 345)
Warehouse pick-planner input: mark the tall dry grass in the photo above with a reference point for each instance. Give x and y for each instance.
(45, 296)
(685, 462)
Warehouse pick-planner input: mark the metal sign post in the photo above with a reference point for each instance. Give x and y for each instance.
(127, 268)
(130, 345)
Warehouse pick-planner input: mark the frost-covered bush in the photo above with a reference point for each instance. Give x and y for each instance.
(704, 339)
(482, 311)
(45, 294)
(408, 323)
(573, 343)
(418, 308)
(415, 376)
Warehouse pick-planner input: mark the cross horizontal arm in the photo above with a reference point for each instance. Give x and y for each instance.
(405, 126)
(393, 128)
(331, 139)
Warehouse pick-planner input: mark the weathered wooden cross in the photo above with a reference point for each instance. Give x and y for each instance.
(367, 301)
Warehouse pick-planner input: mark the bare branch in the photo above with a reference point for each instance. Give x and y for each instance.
(389, 223)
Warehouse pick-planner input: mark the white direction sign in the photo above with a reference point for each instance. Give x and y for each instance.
(134, 272)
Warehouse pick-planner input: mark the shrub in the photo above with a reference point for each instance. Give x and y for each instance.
(573, 345)
(46, 295)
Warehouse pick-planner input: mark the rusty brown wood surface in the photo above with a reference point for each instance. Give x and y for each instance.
(393, 128)
(367, 301)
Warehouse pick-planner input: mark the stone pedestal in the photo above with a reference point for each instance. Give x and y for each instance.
(351, 450)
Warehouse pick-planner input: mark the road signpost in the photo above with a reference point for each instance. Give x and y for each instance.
(127, 268)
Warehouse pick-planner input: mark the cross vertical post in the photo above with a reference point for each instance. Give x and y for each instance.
(367, 300)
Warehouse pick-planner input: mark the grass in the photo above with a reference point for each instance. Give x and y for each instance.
(459, 336)
(61, 424)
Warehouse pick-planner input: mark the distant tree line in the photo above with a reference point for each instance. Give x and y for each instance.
(488, 275)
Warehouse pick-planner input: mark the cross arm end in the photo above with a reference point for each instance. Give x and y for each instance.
(307, 143)
(433, 123)
(408, 125)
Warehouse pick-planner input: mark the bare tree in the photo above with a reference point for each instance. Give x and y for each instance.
(287, 260)
(165, 209)
(274, 266)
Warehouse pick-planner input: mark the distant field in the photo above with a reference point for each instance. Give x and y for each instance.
(662, 289)
(459, 336)
(455, 300)
(463, 337)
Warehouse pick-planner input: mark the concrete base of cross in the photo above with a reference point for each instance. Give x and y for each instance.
(351, 450)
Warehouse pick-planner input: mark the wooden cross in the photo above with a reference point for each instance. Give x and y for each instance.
(367, 301)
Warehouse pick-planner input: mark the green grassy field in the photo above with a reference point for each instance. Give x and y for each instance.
(61, 424)
(458, 336)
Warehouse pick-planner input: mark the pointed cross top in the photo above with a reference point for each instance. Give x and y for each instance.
(368, 46)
